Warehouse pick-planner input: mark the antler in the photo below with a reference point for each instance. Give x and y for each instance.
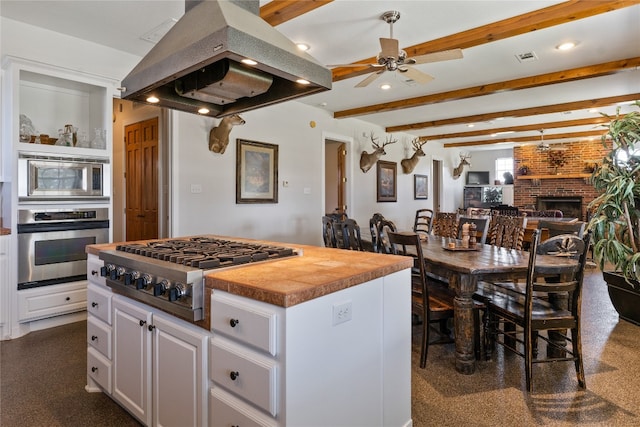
(417, 144)
(389, 141)
(374, 141)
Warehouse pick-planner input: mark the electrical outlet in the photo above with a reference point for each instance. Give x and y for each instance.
(196, 188)
(342, 312)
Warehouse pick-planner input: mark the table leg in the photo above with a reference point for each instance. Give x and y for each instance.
(464, 286)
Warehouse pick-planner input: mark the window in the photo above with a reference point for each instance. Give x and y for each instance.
(503, 165)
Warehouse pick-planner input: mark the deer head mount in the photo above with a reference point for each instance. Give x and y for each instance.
(219, 135)
(367, 160)
(457, 171)
(408, 165)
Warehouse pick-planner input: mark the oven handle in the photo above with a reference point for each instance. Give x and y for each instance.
(62, 226)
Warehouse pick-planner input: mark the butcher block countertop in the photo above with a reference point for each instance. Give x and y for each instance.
(289, 281)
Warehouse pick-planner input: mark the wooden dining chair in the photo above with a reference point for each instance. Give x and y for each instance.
(517, 317)
(373, 229)
(351, 237)
(384, 228)
(507, 231)
(328, 232)
(562, 227)
(430, 303)
(445, 224)
(423, 222)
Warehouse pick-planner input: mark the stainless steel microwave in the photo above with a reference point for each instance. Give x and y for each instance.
(48, 178)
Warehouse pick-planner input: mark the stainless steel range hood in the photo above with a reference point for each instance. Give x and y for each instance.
(198, 63)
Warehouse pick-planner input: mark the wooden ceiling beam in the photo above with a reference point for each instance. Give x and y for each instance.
(527, 139)
(278, 11)
(558, 14)
(526, 128)
(590, 71)
(523, 112)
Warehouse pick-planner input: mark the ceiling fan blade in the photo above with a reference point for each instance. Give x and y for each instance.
(444, 55)
(370, 78)
(356, 65)
(389, 47)
(416, 75)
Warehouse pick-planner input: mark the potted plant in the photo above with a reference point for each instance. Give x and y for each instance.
(524, 169)
(615, 222)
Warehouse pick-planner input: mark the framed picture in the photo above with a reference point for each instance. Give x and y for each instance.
(420, 186)
(386, 181)
(256, 172)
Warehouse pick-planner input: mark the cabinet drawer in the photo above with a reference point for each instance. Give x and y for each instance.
(99, 302)
(227, 410)
(93, 270)
(255, 374)
(48, 301)
(245, 322)
(99, 369)
(99, 336)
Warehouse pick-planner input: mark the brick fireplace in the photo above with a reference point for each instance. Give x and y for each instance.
(570, 182)
(571, 207)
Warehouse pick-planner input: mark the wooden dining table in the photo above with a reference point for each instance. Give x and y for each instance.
(463, 269)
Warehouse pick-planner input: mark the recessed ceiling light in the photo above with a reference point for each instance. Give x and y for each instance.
(470, 125)
(593, 110)
(153, 100)
(203, 110)
(385, 86)
(566, 46)
(249, 61)
(303, 81)
(303, 46)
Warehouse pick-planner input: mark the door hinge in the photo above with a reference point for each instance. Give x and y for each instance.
(344, 179)
(344, 152)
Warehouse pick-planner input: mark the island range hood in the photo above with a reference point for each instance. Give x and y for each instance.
(199, 65)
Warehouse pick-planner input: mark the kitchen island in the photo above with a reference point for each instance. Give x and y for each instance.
(323, 338)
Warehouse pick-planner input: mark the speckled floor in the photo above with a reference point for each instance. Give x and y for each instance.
(42, 379)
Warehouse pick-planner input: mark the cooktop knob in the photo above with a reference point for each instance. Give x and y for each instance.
(160, 288)
(117, 273)
(177, 292)
(143, 281)
(105, 271)
(131, 277)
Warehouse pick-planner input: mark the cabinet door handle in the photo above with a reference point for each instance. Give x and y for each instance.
(93, 337)
(94, 273)
(93, 369)
(234, 375)
(94, 304)
(151, 328)
(143, 322)
(233, 322)
(67, 299)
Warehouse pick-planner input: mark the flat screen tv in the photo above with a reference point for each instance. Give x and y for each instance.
(478, 178)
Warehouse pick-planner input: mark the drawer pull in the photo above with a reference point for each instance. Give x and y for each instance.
(151, 328)
(94, 369)
(234, 375)
(234, 322)
(94, 304)
(67, 299)
(93, 337)
(143, 322)
(94, 272)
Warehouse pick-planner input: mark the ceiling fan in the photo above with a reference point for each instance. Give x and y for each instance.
(542, 146)
(392, 58)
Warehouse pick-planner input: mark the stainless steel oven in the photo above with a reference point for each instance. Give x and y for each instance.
(51, 244)
(60, 178)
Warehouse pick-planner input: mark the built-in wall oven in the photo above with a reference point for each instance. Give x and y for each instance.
(51, 244)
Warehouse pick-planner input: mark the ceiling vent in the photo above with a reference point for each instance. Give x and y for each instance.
(527, 57)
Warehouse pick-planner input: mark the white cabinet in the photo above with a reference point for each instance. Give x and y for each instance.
(275, 366)
(4, 281)
(159, 365)
(48, 301)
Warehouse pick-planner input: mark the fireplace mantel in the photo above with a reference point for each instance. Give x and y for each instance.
(558, 176)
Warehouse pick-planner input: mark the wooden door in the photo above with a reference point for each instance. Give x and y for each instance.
(342, 178)
(141, 174)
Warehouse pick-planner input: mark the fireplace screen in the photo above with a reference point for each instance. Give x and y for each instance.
(571, 207)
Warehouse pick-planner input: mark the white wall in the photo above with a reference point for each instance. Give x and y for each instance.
(485, 161)
(296, 218)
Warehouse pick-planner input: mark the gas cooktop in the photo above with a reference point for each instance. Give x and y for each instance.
(169, 274)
